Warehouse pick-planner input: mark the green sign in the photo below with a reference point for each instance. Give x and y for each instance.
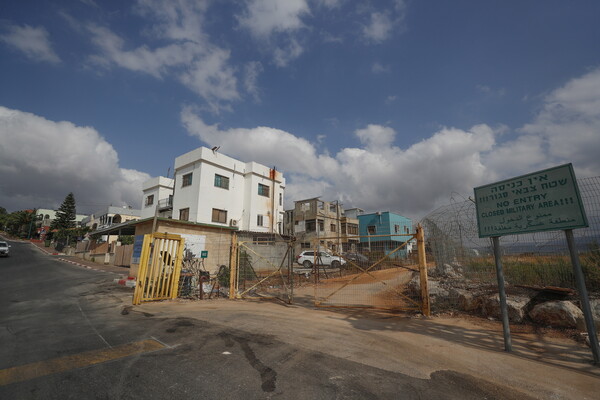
(204, 254)
(541, 201)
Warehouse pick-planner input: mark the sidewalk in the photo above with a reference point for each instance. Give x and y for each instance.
(121, 271)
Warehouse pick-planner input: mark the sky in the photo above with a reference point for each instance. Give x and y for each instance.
(395, 105)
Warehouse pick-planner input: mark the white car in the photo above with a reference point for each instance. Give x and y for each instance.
(307, 258)
(4, 249)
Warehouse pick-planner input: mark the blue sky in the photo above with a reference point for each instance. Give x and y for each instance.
(384, 105)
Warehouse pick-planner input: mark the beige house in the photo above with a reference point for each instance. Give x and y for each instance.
(324, 222)
(214, 239)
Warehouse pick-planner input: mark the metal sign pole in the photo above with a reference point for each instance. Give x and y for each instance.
(503, 306)
(585, 301)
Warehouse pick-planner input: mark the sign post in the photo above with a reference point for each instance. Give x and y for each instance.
(546, 200)
(502, 294)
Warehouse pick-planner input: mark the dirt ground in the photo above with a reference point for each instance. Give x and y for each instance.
(542, 365)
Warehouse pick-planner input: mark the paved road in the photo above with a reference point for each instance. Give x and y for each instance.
(69, 333)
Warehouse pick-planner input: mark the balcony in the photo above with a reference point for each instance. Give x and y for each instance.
(165, 204)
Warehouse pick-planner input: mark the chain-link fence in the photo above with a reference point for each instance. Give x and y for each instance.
(263, 266)
(465, 263)
(374, 275)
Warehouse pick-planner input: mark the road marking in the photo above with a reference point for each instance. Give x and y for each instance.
(42, 368)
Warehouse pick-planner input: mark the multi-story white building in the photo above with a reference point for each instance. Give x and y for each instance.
(111, 216)
(212, 188)
(158, 197)
(45, 216)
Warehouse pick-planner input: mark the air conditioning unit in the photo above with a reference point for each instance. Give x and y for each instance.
(233, 222)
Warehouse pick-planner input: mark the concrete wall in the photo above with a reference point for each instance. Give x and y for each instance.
(217, 240)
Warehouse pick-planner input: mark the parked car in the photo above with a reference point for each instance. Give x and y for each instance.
(357, 258)
(4, 249)
(306, 259)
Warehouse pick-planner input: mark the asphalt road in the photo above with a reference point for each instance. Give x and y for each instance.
(70, 333)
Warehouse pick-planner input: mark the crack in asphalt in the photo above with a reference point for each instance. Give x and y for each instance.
(268, 375)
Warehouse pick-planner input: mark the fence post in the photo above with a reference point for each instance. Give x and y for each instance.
(233, 265)
(426, 308)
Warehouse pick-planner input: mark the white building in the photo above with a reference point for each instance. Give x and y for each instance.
(158, 198)
(45, 216)
(213, 188)
(111, 216)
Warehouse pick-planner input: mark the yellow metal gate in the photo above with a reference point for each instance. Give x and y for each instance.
(160, 267)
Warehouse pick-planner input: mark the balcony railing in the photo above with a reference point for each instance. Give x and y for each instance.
(165, 203)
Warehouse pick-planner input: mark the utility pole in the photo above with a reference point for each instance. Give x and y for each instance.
(338, 224)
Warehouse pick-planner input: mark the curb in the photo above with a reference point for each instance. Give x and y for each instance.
(85, 266)
(127, 282)
(50, 253)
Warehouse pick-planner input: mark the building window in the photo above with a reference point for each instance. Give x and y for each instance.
(263, 190)
(332, 208)
(149, 200)
(371, 229)
(305, 245)
(221, 181)
(321, 225)
(332, 227)
(396, 228)
(407, 229)
(311, 225)
(187, 180)
(280, 199)
(259, 220)
(352, 229)
(184, 214)
(219, 216)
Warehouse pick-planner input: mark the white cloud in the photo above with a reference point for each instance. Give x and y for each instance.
(33, 42)
(57, 158)
(376, 136)
(378, 68)
(488, 91)
(569, 123)
(251, 72)
(379, 27)
(276, 25)
(187, 55)
(330, 3)
(211, 77)
(175, 20)
(282, 56)
(273, 146)
(375, 176)
(266, 17)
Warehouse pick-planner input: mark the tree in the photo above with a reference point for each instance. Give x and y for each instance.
(18, 222)
(65, 216)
